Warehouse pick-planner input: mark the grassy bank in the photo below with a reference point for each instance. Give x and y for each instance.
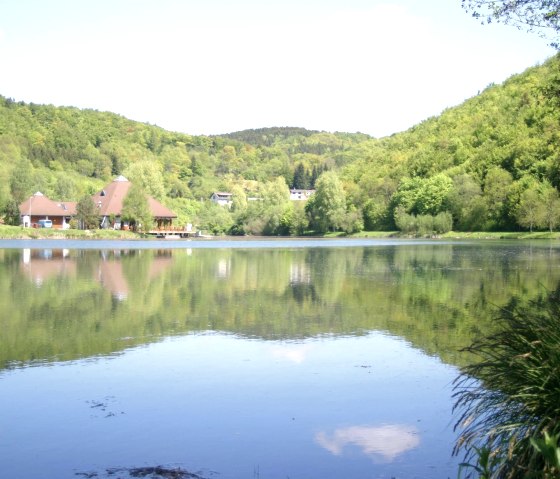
(486, 235)
(18, 232)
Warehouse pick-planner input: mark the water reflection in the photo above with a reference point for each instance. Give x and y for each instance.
(39, 265)
(383, 443)
(42, 264)
(437, 296)
(292, 353)
(295, 362)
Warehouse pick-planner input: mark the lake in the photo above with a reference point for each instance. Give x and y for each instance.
(249, 359)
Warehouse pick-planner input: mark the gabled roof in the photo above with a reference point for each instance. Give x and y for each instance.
(110, 200)
(158, 210)
(40, 205)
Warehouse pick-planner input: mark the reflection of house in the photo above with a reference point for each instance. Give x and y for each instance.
(109, 202)
(39, 265)
(300, 195)
(222, 198)
(299, 273)
(111, 275)
(224, 267)
(38, 207)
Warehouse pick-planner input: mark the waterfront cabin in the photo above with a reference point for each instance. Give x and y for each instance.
(38, 211)
(109, 202)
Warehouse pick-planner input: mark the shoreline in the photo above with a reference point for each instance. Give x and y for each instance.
(21, 233)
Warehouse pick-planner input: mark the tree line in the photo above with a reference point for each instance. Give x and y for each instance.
(490, 164)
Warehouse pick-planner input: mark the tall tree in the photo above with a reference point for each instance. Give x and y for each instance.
(86, 213)
(301, 178)
(136, 209)
(497, 186)
(530, 209)
(327, 207)
(551, 210)
(275, 197)
(11, 213)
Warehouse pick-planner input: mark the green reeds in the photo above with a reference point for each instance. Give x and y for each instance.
(509, 399)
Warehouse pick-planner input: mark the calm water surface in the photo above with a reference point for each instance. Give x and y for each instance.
(260, 359)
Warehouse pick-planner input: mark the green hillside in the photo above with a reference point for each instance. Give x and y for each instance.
(492, 163)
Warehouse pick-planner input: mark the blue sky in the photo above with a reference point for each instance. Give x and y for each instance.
(213, 66)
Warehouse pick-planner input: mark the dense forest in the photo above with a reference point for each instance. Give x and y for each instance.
(492, 163)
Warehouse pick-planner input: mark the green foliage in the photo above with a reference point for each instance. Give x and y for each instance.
(486, 463)
(148, 176)
(474, 161)
(214, 218)
(423, 225)
(86, 213)
(136, 209)
(11, 213)
(529, 211)
(327, 207)
(270, 214)
(509, 398)
(548, 447)
(542, 16)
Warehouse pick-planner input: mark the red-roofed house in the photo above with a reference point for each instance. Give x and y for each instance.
(109, 202)
(110, 199)
(38, 207)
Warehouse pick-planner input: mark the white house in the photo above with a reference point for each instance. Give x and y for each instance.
(222, 198)
(300, 195)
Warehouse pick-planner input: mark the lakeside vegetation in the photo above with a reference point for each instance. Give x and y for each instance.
(507, 400)
(490, 164)
(19, 232)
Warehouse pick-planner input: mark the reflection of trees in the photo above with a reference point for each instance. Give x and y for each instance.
(71, 311)
(435, 296)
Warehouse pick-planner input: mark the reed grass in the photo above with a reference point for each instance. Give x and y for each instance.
(509, 398)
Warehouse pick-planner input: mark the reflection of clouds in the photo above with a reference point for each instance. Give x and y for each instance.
(296, 354)
(385, 442)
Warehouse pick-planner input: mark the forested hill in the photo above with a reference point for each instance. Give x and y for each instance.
(491, 163)
(268, 136)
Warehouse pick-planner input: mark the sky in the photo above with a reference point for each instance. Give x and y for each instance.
(207, 67)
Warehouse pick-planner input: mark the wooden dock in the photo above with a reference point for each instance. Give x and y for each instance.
(177, 234)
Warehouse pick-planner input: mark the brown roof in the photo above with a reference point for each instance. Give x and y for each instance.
(40, 205)
(110, 200)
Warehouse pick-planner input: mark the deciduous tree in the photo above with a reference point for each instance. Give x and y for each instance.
(530, 209)
(541, 16)
(327, 207)
(86, 213)
(551, 210)
(136, 209)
